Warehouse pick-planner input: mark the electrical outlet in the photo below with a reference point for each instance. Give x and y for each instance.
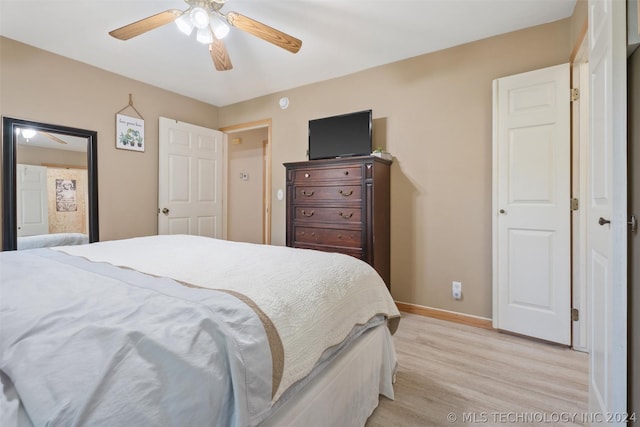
(456, 290)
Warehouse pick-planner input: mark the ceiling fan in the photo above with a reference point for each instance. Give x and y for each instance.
(207, 18)
(28, 133)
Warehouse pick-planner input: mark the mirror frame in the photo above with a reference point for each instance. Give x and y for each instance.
(9, 151)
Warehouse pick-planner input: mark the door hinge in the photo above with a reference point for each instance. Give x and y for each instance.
(575, 204)
(575, 314)
(575, 94)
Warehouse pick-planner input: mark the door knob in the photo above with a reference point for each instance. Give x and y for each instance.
(603, 221)
(502, 211)
(165, 211)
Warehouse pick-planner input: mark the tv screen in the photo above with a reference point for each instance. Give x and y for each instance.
(345, 135)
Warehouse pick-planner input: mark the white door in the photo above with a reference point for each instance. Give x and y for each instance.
(190, 179)
(607, 201)
(32, 208)
(532, 265)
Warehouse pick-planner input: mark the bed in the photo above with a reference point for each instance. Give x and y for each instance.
(53, 239)
(192, 331)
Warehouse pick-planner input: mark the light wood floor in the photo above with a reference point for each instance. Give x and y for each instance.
(453, 374)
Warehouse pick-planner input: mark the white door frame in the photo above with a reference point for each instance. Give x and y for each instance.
(266, 199)
(580, 162)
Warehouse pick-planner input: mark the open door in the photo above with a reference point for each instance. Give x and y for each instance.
(531, 193)
(32, 205)
(190, 179)
(607, 210)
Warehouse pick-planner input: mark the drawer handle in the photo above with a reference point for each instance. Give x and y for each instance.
(310, 214)
(306, 175)
(346, 193)
(346, 172)
(309, 194)
(345, 216)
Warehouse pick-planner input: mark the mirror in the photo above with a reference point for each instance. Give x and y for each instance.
(65, 196)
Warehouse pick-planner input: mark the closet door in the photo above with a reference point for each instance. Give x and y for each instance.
(607, 211)
(32, 201)
(532, 231)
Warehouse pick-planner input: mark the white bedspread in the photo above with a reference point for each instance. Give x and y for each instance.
(50, 240)
(313, 298)
(91, 344)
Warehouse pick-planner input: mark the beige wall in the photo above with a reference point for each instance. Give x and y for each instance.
(578, 23)
(433, 113)
(244, 202)
(41, 86)
(40, 156)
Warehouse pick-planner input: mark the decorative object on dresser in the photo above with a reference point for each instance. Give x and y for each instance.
(341, 205)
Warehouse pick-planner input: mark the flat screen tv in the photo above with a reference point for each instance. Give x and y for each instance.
(345, 135)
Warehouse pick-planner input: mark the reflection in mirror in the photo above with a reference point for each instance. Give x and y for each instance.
(50, 185)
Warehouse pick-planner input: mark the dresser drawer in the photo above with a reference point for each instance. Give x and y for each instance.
(350, 171)
(357, 253)
(338, 193)
(335, 215)
(328, 236)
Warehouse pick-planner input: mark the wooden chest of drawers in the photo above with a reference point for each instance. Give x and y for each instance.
(341, 205)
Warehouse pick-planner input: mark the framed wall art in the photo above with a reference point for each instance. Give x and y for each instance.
(129, 130)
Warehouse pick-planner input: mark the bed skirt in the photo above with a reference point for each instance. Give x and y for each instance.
(347, 391)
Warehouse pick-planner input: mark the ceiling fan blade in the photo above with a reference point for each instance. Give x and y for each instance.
(220, 56)
(146, 24)
(53, 137)
(264, 32)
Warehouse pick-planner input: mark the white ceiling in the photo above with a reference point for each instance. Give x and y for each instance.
(339, 37)
(53, 140)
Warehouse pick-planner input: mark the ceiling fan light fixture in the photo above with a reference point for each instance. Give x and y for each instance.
(200, 18)
(207, 17)
(219, 28)
(204, 35)
(28, 133)
(185, 24)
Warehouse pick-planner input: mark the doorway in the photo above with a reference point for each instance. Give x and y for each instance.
(579, 75)
(249, 182)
